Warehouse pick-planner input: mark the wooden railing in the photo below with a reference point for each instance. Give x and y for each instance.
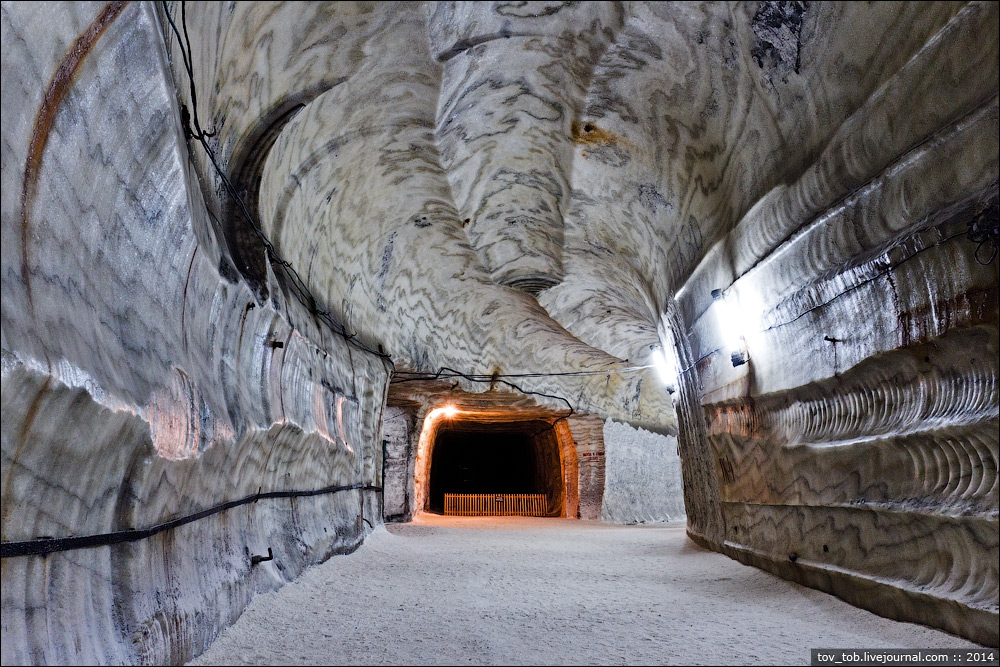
(494, 504)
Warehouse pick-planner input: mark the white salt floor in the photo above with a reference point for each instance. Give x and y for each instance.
(463, 591)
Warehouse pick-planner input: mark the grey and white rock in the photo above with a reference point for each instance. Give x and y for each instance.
(505, 208)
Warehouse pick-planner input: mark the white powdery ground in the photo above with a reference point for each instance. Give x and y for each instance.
(445, 590)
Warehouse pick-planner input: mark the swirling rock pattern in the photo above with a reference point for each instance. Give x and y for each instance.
(506, 135)
(856, 450)
(540, 189)
(138, 385)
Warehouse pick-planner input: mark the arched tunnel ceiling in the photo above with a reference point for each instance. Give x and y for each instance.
(523, 187)
(527, 197)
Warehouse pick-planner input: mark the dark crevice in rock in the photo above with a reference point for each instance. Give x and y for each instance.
(248, 252)
(778, 26)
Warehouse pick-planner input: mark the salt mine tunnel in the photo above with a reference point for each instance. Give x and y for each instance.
(330, 262)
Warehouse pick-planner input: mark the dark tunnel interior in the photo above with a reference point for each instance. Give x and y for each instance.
(510, 459)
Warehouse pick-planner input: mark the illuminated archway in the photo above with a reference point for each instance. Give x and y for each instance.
(477, 450)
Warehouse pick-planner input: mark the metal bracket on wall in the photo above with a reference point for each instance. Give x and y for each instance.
(260, 559)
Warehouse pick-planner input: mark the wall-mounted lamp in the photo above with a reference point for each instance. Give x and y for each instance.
(731, 326)
(449, 411)
(665, 366)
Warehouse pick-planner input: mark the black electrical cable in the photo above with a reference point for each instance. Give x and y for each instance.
(880, 274)
(984, 230)
(46, 545)
(446, 372)
(413, 376)
(873, 278)
(201, 136)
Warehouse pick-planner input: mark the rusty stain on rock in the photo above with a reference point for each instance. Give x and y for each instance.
(58, 88)
(589, 133)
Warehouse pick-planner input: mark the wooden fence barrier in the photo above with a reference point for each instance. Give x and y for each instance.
(495, 504)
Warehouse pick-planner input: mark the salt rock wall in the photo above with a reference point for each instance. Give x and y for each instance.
(856, 451)
(587, 432)
(818, 163)
(642, 476)
(535, 198)
(139, 385)
(399, 440)
(350, 179)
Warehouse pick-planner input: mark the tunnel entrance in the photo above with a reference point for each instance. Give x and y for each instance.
(513, 459)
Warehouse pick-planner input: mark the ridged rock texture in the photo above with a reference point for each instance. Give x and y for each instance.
(539, 199)
(642, 476)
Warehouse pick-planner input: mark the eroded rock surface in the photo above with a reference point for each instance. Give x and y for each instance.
(534, 199)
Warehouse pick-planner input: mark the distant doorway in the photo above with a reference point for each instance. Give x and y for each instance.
(472, 455)
(471, 462)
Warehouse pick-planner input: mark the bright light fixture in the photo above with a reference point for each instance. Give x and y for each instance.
(449, 411)
(665, 367)
(731, 325)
